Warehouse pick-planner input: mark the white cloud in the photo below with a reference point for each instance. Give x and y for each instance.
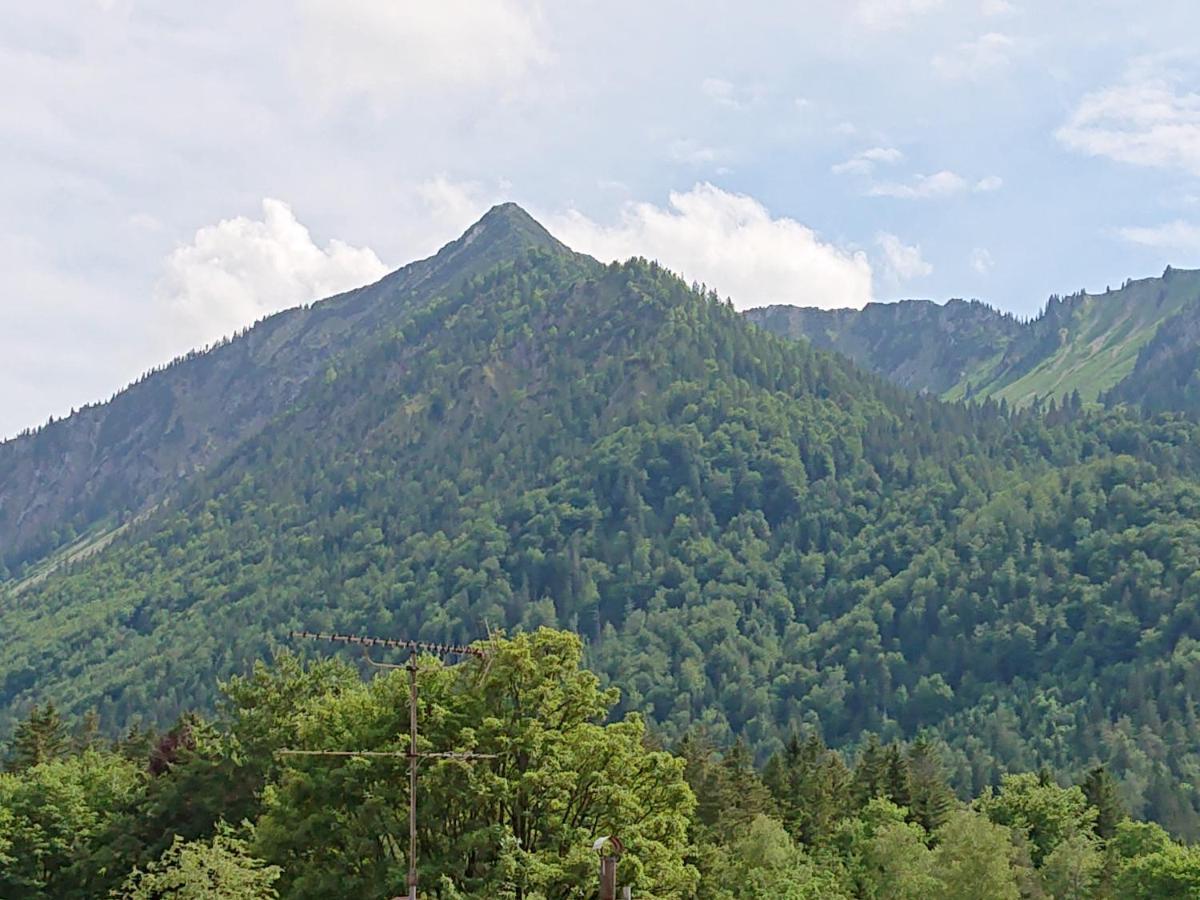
(732, 243)
(1146, 121)
(693, 153)
(389, 50)
(901, 262)
(981, 260)
(974, 59)
(242, 269)
(892, 13)
(864, 163)
(1177, 235)
(939, 184)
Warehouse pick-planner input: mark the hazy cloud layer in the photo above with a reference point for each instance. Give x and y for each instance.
(976, 58)
(732, 243)
(127, 125)
(394, 50)
(1177, 235)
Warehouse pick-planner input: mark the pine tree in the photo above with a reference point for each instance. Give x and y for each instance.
(1100, 788)
(897, 776)
(870, 772)
(88, 732)
(40, 738)
(738, 793)
(931, 800)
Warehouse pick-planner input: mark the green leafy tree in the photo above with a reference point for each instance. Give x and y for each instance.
(52, 815)
(220, 869)
(521, 824)
(765, 864)
(894, 854)
(974, 859)
(1168, 873)
(1039, 809)
(1073, 870)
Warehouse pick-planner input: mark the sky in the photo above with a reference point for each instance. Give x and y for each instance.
(174, 172)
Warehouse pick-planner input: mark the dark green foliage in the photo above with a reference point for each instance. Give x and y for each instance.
(751, 536)
(930, 799)
(41, 738)
(1102, 793)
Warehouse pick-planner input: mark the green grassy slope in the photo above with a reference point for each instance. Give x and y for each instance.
(1088, 343)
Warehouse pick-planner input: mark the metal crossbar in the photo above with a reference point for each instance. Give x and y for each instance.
(415, 646)
(411, 754)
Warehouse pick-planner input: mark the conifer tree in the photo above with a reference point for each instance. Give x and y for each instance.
(930, 799)
(897, 776)
(1100, 788)
(870, 772)
(39, 739)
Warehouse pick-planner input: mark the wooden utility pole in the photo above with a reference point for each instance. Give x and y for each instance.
(413, 647)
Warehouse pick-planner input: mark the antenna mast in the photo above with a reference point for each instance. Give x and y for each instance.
(413, 648)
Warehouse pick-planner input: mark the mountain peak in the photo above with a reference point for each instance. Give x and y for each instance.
(509, 224)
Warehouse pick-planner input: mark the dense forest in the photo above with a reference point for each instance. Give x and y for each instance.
(209, 808)
(753, 537)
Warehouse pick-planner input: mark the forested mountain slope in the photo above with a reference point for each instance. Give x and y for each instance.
(752, 535)
(109, 461)
(1090, 343)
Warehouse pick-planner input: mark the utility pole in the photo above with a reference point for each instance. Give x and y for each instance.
(413, 648)
(609, 848)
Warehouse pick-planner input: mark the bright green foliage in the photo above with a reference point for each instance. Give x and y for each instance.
(1039, 809)
(974, 859)
(1136, 839)
(764, 864)
(1074, 868)
(51, 814)
(557, 771)
(1170, 873)
(894, 855)
(520, 825)
(220, 869)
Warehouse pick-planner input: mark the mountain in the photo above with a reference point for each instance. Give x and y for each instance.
(105, 464)
(754, 536)
(1090, 343)
(915, 343)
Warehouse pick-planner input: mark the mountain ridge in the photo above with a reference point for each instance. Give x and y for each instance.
(110, 461)
(1085, 342)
